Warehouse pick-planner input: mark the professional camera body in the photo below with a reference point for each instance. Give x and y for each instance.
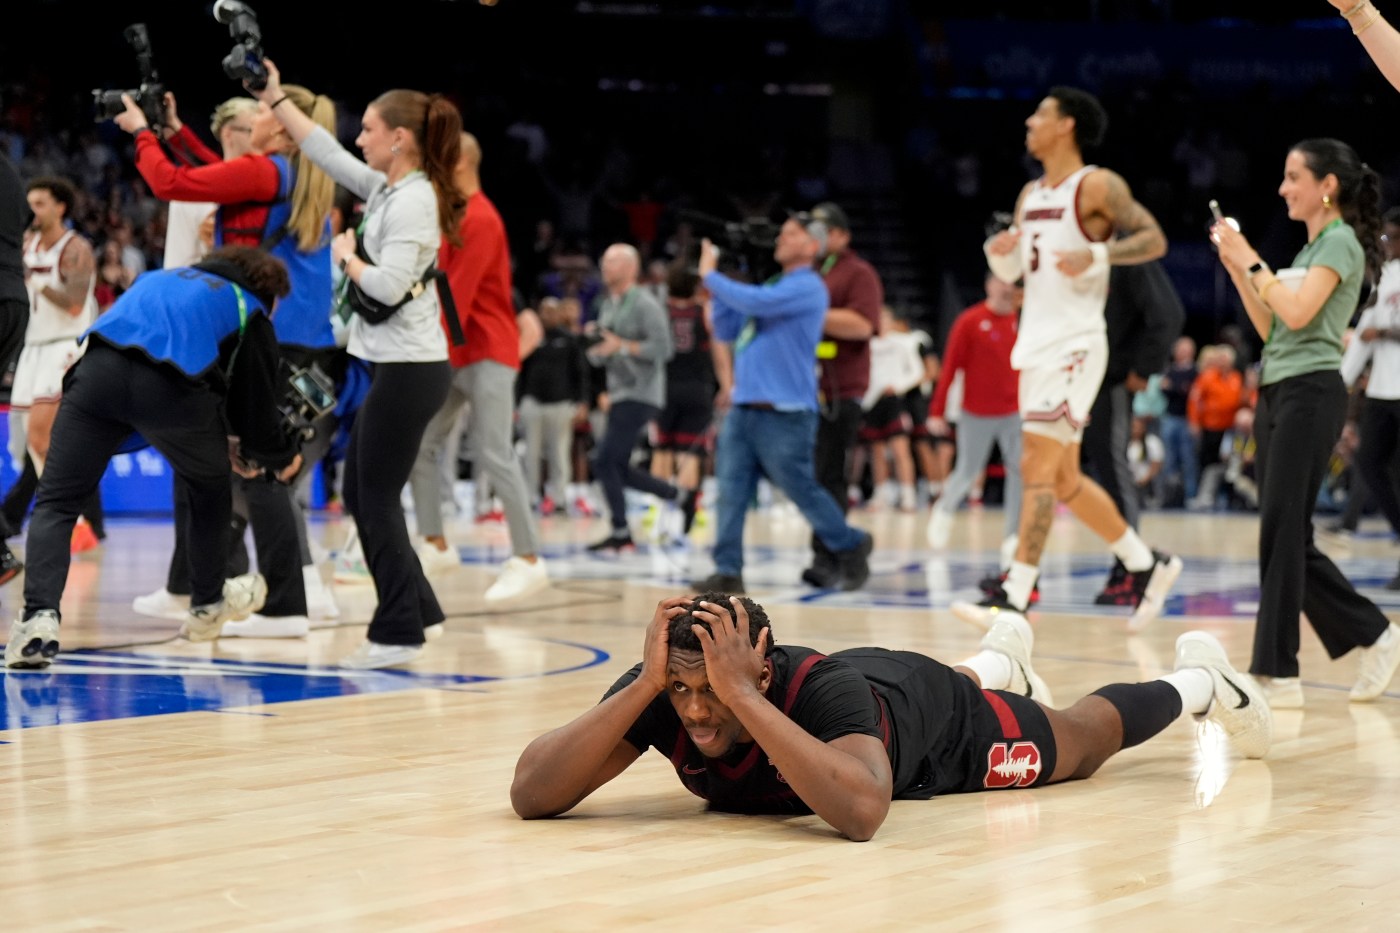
(150, 96)
(309, 396)
(745, 246)
(245, 61)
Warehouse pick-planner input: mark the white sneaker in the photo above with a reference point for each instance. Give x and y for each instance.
(372, 656)
(1239, 706)
(518, 578)
(33, 644)
(1011, 635)
(162, 604)
(1378, 664)
(940, 528)
(261, 626)
(243, 595)
(435, 561)
(1282, 692)
(350, 566)
(320, 604)
(1007, 554)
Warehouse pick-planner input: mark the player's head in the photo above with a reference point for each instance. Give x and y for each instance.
(712, 726)
(52, 200)
(1066, 116)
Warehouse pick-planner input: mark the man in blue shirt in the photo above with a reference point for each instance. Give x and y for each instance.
(771, 428)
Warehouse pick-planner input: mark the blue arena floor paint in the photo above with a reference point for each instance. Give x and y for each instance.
(90, 686)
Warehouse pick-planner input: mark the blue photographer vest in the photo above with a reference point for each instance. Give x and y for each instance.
(176, 316)
(302, 318)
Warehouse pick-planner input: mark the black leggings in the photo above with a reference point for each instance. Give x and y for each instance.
(402, 399)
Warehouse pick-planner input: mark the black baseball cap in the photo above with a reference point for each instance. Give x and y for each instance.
(832, 215)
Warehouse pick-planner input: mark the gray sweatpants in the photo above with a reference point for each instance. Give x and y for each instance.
(490, 388)
(975, 438)
(549, 435)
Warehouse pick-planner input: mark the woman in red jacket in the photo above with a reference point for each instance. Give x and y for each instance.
(274, 199)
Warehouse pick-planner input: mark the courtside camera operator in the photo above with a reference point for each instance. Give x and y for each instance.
(187, 358)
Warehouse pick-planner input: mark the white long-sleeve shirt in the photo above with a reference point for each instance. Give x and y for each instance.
(1384, 353)
(402, 236)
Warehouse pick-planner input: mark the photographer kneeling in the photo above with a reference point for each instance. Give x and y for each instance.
(187, 358)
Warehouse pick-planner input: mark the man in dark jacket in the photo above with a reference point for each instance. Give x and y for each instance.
(1144, 316)
(187, 359)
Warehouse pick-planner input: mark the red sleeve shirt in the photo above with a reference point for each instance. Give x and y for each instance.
(479, 274)
(189, 148)
(245, 186)
(980, 345)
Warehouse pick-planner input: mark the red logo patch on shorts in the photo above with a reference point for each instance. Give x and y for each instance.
(1012, 764)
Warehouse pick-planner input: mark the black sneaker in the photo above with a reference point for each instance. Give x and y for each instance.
(690, 504)
(1117, 591)
(1149, 588)
(10, 565)
(732, 584)
(991, 586)
(823, 573)
(615, 542)
(853, 566)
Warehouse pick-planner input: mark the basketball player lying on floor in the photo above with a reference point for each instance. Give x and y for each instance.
(754, 727)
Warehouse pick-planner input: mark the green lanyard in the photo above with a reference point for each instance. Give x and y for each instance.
(242, 309)
(828, 262)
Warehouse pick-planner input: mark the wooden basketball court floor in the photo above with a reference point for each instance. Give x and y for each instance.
(151, 784)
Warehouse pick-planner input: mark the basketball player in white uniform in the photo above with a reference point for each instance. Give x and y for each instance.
(1071, 224)
(59, 273)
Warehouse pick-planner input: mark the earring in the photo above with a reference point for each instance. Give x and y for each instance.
(1326, 201)
(394, 150)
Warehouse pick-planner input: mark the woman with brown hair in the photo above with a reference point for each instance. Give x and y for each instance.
(411, 142)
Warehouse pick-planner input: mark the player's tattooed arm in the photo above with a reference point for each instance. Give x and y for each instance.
(1139, 237)
(76, 267)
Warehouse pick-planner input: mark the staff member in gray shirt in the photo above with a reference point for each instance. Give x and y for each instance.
(633, 334)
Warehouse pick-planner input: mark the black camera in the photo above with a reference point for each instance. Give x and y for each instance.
(745, 246)
(150, 96)
(245, 61)
(309, 396)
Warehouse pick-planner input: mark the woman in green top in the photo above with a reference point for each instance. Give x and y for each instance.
(1302, 405)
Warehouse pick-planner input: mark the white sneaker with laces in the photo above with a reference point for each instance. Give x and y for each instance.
(1012, 636)
(435, 561)
(1378, 664)
(261, 626)
(162, 604)
(518, 578)
(1239, 706)
(940, 528)
(372, 656)
(33, 644)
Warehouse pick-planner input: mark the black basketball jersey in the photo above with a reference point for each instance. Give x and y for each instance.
(911, 703)
(691, 361)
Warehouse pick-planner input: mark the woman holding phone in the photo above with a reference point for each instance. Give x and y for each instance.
(1301, 313)
(411, 142)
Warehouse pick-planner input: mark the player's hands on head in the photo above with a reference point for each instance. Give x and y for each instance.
(732, 665)
(657, 648)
